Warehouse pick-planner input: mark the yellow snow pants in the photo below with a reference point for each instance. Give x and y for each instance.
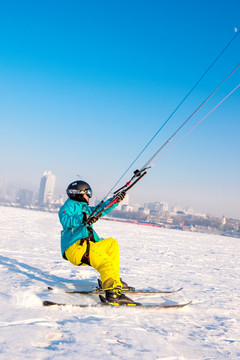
(104, 257)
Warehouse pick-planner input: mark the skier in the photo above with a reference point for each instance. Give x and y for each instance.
(81, 245)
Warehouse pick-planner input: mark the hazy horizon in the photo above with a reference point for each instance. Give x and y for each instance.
(138, 199)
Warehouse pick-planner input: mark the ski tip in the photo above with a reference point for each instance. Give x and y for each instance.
(180, 289)
(48, 303)
(183, 305)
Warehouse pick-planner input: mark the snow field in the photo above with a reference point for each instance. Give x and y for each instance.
(206, 266)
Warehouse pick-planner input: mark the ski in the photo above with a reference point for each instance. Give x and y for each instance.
(52, 303)
(98, 291)
(104, 302)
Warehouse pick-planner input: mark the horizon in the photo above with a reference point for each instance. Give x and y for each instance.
(96, 198)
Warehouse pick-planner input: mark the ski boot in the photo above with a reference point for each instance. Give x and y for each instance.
(126, 287)
(116, 297)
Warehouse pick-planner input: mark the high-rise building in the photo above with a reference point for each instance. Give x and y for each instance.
(46, 190)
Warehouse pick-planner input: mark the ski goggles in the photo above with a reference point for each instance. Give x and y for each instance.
(88, 192)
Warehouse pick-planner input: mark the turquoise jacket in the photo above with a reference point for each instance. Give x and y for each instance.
(71, 216)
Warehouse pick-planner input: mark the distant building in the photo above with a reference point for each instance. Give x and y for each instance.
(124, 202)
(126, 208)
(3, 187)
(61, 199)
(46, 190)
(177, 208)
(157, 206)
(144, 210)
(224, 220)
(24, 197)
(135, 207)
(190, 211)
(163, 206)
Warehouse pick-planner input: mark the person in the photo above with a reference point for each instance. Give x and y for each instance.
(82, 246)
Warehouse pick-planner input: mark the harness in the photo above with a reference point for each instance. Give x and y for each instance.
(85, 259)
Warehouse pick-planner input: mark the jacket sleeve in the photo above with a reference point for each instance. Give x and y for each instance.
(70, 218)
(108, 210)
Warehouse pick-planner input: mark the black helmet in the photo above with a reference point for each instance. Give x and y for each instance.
(77, 189)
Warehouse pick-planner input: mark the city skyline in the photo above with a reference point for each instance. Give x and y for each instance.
(45, 195)
(85, 86)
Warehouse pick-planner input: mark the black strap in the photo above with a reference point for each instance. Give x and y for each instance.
(90, 232)
(85, 259)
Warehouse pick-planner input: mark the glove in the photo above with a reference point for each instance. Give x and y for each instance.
(120, 196)
(92, 220)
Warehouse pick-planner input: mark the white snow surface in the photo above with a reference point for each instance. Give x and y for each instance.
(207, 266)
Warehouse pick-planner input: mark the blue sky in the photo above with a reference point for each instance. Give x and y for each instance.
(85, 85)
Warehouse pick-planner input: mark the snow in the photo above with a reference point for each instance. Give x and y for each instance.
(206, 266)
